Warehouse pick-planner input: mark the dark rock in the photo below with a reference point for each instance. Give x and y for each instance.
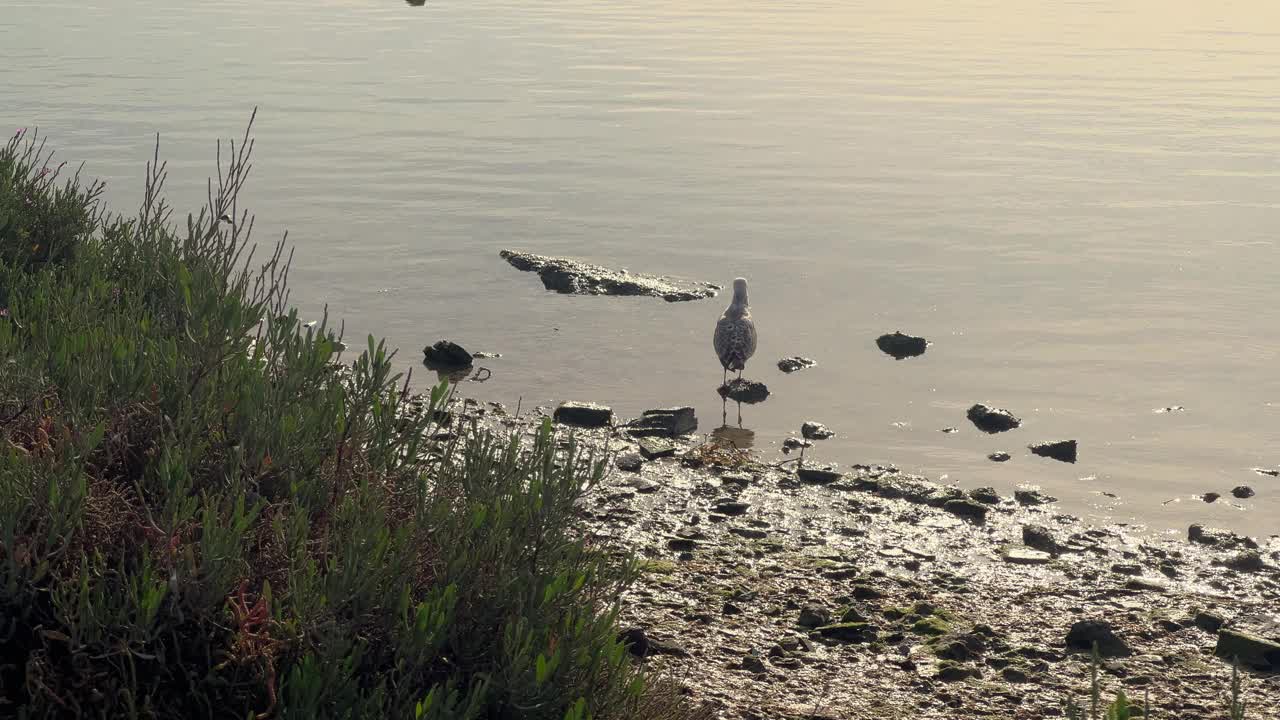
(1210, 497)
(654, 448)
(643, 486)
(1247, 561)
(753, 664)
(1086, 633)
(578, 278)
(1064, 450)
(629, 462)
(587, 415)
(640, 644)
(744, 391)
(446, 355)
(992, 420)
(1028, 495)
(748, 533)
(901, 346)
(1039, 537)
(955, 672)
(1209, 621)
(1243, 492)
(813, 616)
(792, 364)
(682, 544)
(736, 479)
(855, 632)
(669, 422)
(985, 495)
(1198, 533)
(819, 476)
(1014, 675)
(730, 609)
(968, 509)
(1126, 569)
(955, 650)
(815, 431)
(1251, 650)
(728, 506)
(1000, 456)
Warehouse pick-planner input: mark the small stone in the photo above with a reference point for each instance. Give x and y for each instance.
(753, 664)
(1000, 456)
(736, 479)
(629, 462)
(447, 355)
(950, 430)
(1029, 495)
(968, 509)
(1087, 633)
(1210, 497)
(900, 346)
(682, 544)
(955, 672)
(749, 533)
(1063, 450)
(729, 506)
(813, 616)
(1243, 492)
(855, 632)
(1039, 537)
(792, 364)
(643, 486)
(744, 391)
(1023, 556)
(1014, 675)
(992, 420)
(730, 609)
(985, 495)
(1256, 652)
(1126, 569)
(819, 476)
(587, 415)
(815, 431)
(1209, 621)
(654, 448)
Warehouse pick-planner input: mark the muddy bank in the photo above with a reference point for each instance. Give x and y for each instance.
(877, 594)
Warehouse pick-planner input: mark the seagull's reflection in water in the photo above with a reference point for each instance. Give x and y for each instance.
(739, 438)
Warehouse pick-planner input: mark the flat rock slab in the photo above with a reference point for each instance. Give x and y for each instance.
(654, 448)
(991, 419)
(744, 391)
(572, 277)
(587, 415)
(1024, 556)
(1256, 652)
(671, 422)
(1063, 450)
(901, 346)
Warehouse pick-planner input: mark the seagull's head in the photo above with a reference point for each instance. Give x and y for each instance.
(740, 291)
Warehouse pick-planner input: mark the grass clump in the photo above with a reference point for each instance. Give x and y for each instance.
(205, 512)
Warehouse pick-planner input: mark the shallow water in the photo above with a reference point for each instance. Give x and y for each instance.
(1076, 202)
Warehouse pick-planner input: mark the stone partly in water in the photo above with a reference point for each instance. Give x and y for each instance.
(587, 415)
(1030, 495)
(792, 364)
(671, 422)
(572, 277)
(1000, 456)
(1198, 533)
(901, 346)
(793, 443)
(992, 420)
(1256, 652)
(1243, 492)
(1084, 635)
(815, 431)
(1063, 450)
(1210, 497)
(744, 391)
(446, 355)
(985, 495)
(819, 475)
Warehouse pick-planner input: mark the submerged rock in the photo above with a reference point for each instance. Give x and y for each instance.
(744, 391)
(901, 346)
(446, 355)
(1030, 495)
(587, 415)
(792, 364)
(666, 421)
(1087, 633)
(793, 443)
(1063, 450)
(1000, 456)
(572, 277)
(1243, 492)
(992, 420)
(815, 431)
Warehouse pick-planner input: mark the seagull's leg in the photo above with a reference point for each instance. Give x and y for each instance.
(725, 381)
(739, 413)
(724, 410)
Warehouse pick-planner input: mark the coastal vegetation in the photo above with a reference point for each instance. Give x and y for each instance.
(207, 510)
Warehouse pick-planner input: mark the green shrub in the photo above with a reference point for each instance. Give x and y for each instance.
(203, 513)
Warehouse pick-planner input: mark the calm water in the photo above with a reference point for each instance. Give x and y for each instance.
(1077, 202)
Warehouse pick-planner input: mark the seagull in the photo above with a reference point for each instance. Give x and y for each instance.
(735, 337)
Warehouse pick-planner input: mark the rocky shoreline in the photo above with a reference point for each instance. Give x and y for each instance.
(864, 592)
